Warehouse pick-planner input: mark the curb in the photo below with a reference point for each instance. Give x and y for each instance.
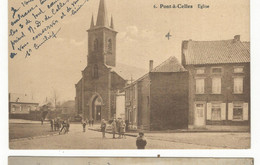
(109, 132)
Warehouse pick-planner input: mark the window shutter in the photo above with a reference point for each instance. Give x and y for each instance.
(245, 111)
(223, 111)
(208, 111)
(230, 111)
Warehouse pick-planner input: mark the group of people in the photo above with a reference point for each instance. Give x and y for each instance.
(60, 125)
(118, 126)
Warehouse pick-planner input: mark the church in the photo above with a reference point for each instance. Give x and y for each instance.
(97, 89)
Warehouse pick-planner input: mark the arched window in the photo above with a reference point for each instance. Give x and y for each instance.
(109, 45)
(96, 45)
(95, 71)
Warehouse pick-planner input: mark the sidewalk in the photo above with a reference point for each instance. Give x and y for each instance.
(208, 129)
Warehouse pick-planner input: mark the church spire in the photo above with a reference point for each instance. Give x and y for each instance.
(92, 22)
(112, 23)
(102, 14)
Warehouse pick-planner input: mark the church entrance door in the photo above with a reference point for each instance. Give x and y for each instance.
(96, 109)
(98, 112)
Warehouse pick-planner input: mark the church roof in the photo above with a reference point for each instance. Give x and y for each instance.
(215, 52)
(127, 72)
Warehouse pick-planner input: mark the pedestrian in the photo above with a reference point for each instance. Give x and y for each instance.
(67, 125)
(103, 127)
(114, 128)
(42, 121)
(52, 124)
(89, 122)
(84, 125)
(122, 128)
(118, 128)
(141, 141)
(92, 122)
(64, 126)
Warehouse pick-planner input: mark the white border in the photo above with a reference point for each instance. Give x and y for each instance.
(255, 102)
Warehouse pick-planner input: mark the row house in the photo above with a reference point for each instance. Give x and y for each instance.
(159, 99)
(219, 82)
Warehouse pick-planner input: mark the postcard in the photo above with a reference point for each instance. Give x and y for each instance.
(113, 74)
(126, 161)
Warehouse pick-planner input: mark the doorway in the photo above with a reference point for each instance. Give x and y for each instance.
(97, 109)
(199, 115)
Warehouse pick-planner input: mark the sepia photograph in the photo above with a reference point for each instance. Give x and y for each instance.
(126, 161)
(113, 74)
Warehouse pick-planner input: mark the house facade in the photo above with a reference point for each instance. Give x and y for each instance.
(159, 99)
(96, 90)
(219, 82)
(22, 106)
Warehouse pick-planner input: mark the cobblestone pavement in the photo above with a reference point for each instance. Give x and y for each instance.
(76, 139)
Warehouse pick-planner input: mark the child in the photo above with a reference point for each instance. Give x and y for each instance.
(141, 141)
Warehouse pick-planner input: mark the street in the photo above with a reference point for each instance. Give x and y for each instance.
(76, 139)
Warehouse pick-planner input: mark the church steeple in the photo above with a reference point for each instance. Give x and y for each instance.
(112, 23)
(92, 22)
(102, 15)
(102, 39)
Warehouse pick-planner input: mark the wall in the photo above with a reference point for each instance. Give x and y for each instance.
(144, 103)
(120, 106)
(169, 100)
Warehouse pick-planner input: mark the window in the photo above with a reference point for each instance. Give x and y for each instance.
(13, 108)
(95, 71)
(238, 111)
(199, 86)
(109, 45)
(200, 71)
(238, 85)
(216, 111)
(238, 69)
(216, 85)
(95, 45)
(216, 70)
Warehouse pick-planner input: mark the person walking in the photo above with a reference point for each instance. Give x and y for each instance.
(92, 122)
(52, 125)
(84, 125)
(103, 128)
(141, 141)
(64, 126)
(118, 123)
(89, 122)
(122, 128)
(114, 128)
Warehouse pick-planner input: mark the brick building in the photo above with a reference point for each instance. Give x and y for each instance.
(96, 90)
(159, 99)
(219, 82)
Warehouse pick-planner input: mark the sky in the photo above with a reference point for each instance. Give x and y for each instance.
(57, 65)
(125, 161)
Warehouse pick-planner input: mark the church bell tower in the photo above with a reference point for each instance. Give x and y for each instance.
(102, 39)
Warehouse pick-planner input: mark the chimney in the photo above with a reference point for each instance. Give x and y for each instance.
(237, 38)
(150, 65)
